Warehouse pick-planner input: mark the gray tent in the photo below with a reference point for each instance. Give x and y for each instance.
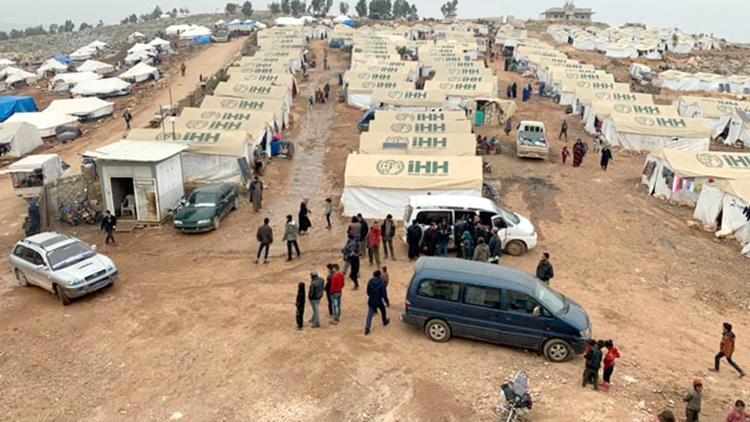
(21, 138)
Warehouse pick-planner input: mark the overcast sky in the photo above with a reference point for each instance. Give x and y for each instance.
(725, 18)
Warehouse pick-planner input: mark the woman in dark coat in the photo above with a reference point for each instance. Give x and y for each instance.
(304, 220)
(606, 158)
(300, 303)
(578, 152)
(429, 240)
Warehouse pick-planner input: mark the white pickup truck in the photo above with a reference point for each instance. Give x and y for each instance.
(531, 140)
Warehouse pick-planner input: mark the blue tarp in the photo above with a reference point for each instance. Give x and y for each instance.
(350, 22)
(203, 39)
(63, 59)
(10, 105)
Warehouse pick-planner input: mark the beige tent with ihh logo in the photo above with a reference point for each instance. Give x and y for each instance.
(646, 133)
(377, 185)
(414, 100)
(449, 144)
(359, 92)
(602, 109)
(420, 127)
(420, 116)
(259, 126)
(277, 107)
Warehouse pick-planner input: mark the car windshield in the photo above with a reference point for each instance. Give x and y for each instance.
(508, 216)
(69, 255)
(551, 300)
(203, 199)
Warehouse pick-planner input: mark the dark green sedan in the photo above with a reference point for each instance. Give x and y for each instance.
(206, 206)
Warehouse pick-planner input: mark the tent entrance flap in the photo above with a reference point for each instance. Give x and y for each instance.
(123, 191)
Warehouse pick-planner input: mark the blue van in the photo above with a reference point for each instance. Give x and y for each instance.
(456, 297)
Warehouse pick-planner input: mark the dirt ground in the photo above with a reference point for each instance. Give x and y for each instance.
(195, 331)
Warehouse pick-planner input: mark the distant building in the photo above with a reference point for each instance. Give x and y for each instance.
(568, 13)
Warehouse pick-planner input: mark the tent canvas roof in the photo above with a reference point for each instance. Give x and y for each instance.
(137, 151)
(420, 116)
(399, 172)
(723, 165)
(417, 98)
(141, 69)
(605, 108)
(385, 143)
(100, 87)
(32, 162)
(78, 106)
(420, 127)
(95, 66)
(228, 143)
(668, 127)
(254, 90)
(217, 119)
(44, 121)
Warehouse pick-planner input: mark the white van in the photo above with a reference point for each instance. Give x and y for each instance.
(516, 232)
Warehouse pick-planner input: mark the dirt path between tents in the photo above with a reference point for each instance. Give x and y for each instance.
(195, 330)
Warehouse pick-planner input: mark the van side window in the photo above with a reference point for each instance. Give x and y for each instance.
(436, 289)
(482, 296)
(521, 302)
(427, 217)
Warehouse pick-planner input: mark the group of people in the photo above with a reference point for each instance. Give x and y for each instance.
(594, 358)
(580, 149)
(474, 240)
(332, 288)
(363, 239)
(487, 146)
(321, 95)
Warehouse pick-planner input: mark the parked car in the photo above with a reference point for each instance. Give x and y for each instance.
(455, 297)
(516, 232)
(206, 206)
(531, 141)
(61, 264)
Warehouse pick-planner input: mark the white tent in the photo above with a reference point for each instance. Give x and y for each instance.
(194, 32)
(136, 36)
(45, 121)
(107, 87)
(160, 44)
(87, 108)
(21, 138)
(6, 62)
(99, 45)
(66, 81)
(20, 76)
(83, 53)
(376, 185)
(53, 66)
(140, 72)
(96, 66)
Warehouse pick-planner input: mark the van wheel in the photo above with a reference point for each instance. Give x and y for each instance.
(515, 248)
(21, 278)
(557, 350)
(60, 292)
(437, 330)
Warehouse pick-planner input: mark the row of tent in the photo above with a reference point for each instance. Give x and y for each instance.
(419, 141)
(676, 80)
(623, 118)
(242, 117)
(715, 184)
(631, 41)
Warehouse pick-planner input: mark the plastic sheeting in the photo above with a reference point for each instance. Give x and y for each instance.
(10, 105)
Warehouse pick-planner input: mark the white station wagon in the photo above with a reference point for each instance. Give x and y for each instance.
(61, 264)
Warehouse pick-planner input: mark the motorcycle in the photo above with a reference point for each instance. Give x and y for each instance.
(66, 214)
(516, 399)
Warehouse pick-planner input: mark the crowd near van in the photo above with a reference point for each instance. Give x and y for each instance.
(516, 232)
(451, 297)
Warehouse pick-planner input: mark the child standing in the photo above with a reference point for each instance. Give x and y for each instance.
(565, 154)
(609, 363)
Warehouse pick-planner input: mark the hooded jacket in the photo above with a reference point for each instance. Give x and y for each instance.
(376, 292)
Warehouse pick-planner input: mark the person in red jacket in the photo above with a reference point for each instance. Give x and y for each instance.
(609, 363)
(337, 286)
(738, 414)
(373, 244)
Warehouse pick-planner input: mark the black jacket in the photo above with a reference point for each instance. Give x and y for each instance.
(496, 246)
(377, 294)
(544, 271)
(391, 233)
(109, 223)
(414, 234)
(363, 230)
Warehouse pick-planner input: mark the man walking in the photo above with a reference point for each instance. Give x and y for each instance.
(127, 117)
(693, 400)
(351, 255)
(265, 238)
(388, 232)
(563, 131)
(544, 270)
(376, 297)
(256, 193)
(291, 233)
(109, 224)
(726, 349)
(413, 238)
(443, 236)
(315, 294)
(183, 68)
(337, 288)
